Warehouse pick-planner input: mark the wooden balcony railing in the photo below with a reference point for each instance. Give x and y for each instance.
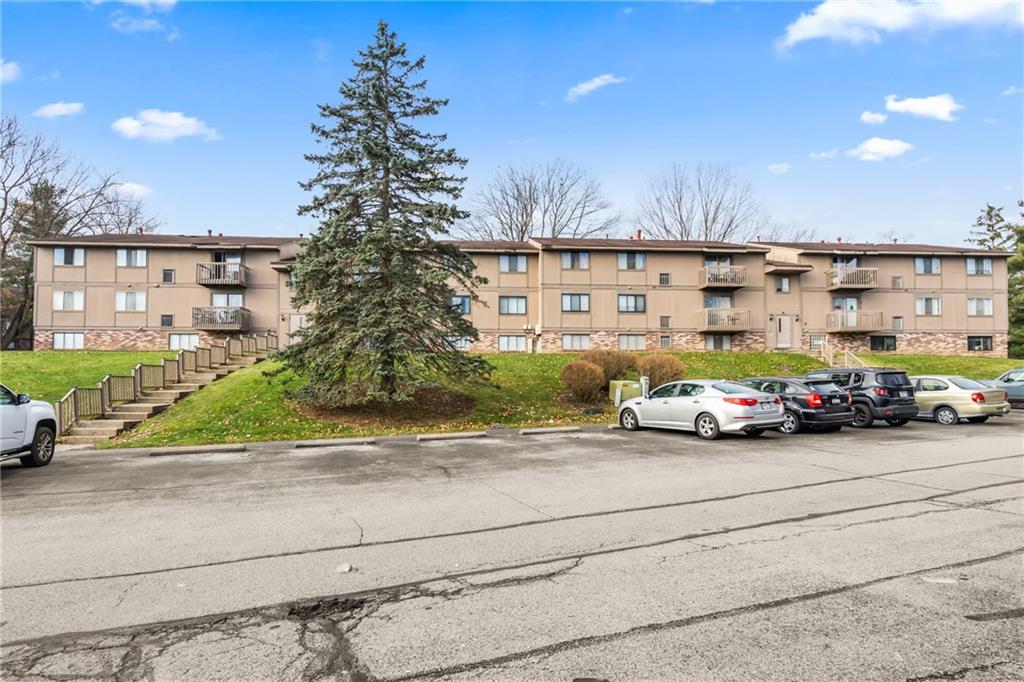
(222, 274)
(722, 276)
(853, 321)
(220, 318)
(851, 278)
(724, 320)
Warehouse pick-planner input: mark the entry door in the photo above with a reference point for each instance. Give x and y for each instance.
(784, 331)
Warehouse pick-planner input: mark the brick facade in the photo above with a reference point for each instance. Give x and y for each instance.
(125, 339)
(921, 343)
(551, 342)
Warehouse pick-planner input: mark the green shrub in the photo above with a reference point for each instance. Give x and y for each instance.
(583, 380)
(613, 363)
(661, 368)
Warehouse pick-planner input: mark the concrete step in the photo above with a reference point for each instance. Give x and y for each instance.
(83, 440)
(104, 433)
(108, 423)
(157, 399)
(167, 395)
(136, 410)
(204, 376)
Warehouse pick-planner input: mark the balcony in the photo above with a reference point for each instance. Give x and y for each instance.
(724, 320)
(851, 278)
(722, 277)
(221, 274)
(853, 321)
(221, 319)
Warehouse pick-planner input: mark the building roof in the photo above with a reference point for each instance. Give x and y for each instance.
(887, 248)
(154, 239)
(491, 245)
(645, 245)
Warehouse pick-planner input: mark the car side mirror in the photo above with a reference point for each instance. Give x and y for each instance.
(23, 399)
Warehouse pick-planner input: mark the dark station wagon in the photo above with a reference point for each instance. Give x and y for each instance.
(810, 404)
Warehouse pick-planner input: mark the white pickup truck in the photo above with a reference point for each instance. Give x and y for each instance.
(28, 429)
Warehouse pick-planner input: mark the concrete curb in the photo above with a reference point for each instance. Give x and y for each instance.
(456, 435)
(197, 449)
(333, 441)
(548, 429)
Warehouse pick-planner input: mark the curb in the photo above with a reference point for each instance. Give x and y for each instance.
(333, 441)
(548, 429)
(197, 449)
(457, 435)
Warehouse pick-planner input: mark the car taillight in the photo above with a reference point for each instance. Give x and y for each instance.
(814, 400)
(881, 391)
(778, 400)
(978, 397)
(745, 402)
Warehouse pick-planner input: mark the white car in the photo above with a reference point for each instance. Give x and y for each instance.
(28, 429)
(708, 407)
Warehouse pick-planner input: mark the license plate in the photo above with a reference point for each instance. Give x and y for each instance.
(904, 394)
(835, 401)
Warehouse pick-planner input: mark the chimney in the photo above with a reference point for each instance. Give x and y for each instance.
(839, 240)
(140, 231)
(758, 237)
(894, 240)
(220, 234)
(639, 234)
(209, 233)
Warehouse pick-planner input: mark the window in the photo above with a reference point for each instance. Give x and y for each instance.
(815, 342)
(69, 300)
(782, 284)
(844, 262)
(933, 385)
(897, 282)
(632, 303)
(512, 305)
(967, 384)
(130, 301)
(897, 323)
(979, 343)
(227, 256)
(575, 260)
(665, 322)
(717, 301)
(929, 306)
(512, 344)
(68, 340)
(979, 266)
(167, 276)
(575, 341)
(227, 300)
(717, 342)
(182, 341)
(666, 391)
(632, 341)
(717, 261)
(927, 266)
(296, 321)
(512, 263)
(665, 341)
(131, 258)
(632, 261)
(167, 320)
(665, 279)
(461, 342)
(461, 304)
(979, 307)
(62, 256)
(882, 342)
(575, 303)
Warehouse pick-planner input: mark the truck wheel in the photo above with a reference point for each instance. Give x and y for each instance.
(946, 416)
(862, 417)
(42, 448)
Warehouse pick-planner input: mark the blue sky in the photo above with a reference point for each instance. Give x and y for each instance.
(751, 85)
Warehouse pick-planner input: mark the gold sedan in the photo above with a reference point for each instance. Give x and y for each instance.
(948, 399)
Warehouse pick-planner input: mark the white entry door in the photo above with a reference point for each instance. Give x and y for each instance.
(784, 331)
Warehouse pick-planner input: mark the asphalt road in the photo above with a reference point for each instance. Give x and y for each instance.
(888, 554)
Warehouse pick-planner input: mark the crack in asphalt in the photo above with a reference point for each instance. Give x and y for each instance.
(960, 673)
(549, 520)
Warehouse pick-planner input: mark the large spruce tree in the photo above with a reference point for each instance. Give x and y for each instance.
(378, 278)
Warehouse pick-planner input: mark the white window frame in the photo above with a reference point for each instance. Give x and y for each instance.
(583, 303)
(897, 323)
(974, 261)
(927, 265)
(575, 341)
(77, 257)
(639, 259)
(709, 342)
(60, 340)
(60, 301)
(924, 309)
(121, 301)
(575, 260)
(782, 284)
(632, 342)
(174, 340)
(139, 257)
(664, 341)
(506, 303)
(511, 343)
(973, 309)
(506, 261)
(227, 299)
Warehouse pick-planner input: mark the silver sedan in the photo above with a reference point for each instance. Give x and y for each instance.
(706, 406)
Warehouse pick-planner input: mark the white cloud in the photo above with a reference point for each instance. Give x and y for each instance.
(59, 110)
(865, 21)
(779, 168)
(595, 83)
(1012, 90)
(321, 49)
(125, 24)
(872, 117)
(152, 5)
(173, 35)
(628, 10)
(940, 107)
(989, 121)
(155, 125)
(134, 190)
(9, 71)
(879, 149)
(819, 156)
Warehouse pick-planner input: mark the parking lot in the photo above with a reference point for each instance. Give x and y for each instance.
(888, 553)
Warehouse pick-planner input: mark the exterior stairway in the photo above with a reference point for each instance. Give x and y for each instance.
(93, 415)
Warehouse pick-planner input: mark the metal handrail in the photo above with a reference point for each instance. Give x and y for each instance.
(723, 275)
(851, 277)
(226, 318)
(222, 273)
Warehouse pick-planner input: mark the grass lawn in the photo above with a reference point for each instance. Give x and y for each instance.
(49, 374)
(965, 365)
(248, 406)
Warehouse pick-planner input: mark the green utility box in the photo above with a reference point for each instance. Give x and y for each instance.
(630, 389)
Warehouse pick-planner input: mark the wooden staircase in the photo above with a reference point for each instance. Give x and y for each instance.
(117, 403)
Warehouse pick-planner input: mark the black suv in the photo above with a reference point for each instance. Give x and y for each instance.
(811, 404)
(878, 393)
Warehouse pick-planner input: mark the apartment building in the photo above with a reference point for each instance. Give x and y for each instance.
(551, 295)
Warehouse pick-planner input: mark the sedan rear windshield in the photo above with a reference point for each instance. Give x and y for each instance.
(893, 379)
(731, 387)
(969, 384)
(823, 387)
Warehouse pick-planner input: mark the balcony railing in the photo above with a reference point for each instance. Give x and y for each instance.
(851, 278)
(221, 274)
(220, 318)
(853, 321)
(724, 320)
(723, 276)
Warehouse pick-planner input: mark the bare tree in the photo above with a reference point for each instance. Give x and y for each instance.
(44, 194)
(895, 235)
(773, 231)
(706, 202)
(556, 199)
